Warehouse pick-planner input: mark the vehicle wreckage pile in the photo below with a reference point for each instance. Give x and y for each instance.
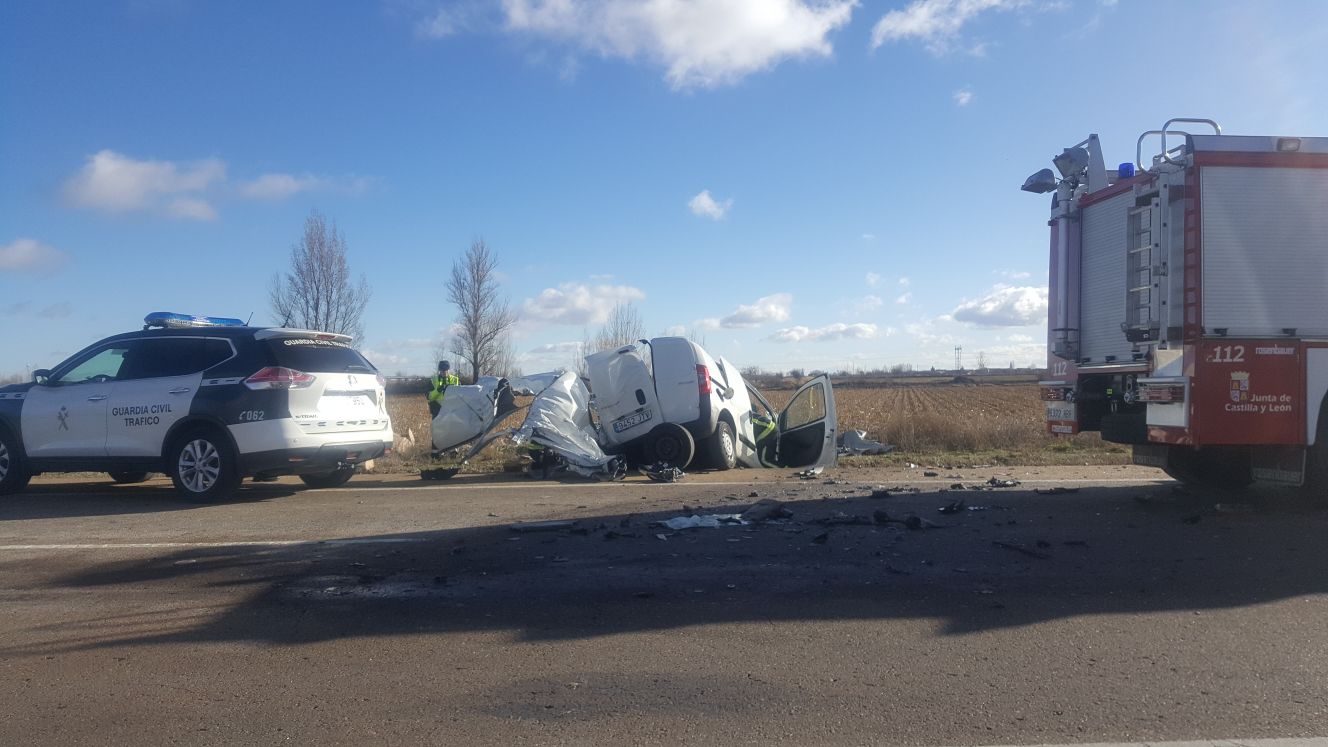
(661, 404)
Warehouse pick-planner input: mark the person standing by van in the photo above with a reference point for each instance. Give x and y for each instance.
(439, 384)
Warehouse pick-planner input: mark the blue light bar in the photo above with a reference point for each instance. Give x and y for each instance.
(168, 320)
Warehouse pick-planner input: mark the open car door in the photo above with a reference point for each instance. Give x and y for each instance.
(806, 427)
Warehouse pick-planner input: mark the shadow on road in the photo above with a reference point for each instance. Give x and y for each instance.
(58, 501)
(1020, 559)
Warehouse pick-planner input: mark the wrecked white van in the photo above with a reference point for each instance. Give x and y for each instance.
(661, 400)
(667, 400)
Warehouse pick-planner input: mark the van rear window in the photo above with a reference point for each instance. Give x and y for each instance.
(316, 356)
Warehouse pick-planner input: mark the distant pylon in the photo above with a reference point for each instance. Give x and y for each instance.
(959, 357)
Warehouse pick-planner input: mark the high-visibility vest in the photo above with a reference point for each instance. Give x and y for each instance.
(440, 385)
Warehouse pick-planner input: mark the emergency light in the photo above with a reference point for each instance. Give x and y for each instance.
(169, 320)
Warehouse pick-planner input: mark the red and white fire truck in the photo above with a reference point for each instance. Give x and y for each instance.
(1188, 303)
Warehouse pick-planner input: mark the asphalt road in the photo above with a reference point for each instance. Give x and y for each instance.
(397, 611)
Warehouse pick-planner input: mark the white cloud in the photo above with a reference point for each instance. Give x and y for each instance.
(838, 331)
(275, 187)
(278, 186)
(413, 343)
(676, 330)
(557, 348)
(442, 23)
(1005, 306)
(935, 23)
(904, 299)
(382, 359)
(30, 255)
(869, 237)
(191, 207)
(117, 183)
(705, 206)
(868, 303)
(873, 279)
(905, 282)
(700, 43)
(1019, 338)
(772, 308)
(962, 97)
(577, 303)
(1014, 274)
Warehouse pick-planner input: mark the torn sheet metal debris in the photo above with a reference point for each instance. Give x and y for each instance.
(467, 411)
(559, 420)
(856, 443)
(542, 526)
(709, 521)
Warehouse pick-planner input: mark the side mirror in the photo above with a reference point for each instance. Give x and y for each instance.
(41, 376)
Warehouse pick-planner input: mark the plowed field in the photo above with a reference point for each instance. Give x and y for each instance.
(942, 417)
(986, 422)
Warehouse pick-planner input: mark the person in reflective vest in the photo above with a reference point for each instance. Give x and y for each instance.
(763, 427)
(439, 384)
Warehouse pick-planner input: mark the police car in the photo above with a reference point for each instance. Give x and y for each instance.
(207, 400)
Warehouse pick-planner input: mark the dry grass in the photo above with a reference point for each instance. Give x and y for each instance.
(933, 423)
(986, 423)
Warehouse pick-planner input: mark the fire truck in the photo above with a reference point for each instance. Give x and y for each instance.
(1188, 303)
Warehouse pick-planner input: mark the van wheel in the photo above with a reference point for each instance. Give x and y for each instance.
(721, 448)
(670, 443)
(203, 466)
(335, 478)
(14, 474)
(127, 478)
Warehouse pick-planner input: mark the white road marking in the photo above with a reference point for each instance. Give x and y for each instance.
(1290, 742)
(189, 545)
(685, 483)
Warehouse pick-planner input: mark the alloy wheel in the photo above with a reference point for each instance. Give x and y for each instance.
(200, 465)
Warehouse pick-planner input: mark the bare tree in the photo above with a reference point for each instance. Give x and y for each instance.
(482, 314)
(505, 359)
(317, 292)
(623, 327)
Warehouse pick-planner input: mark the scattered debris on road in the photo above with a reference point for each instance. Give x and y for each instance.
(709, 521)
(663, 472)
(542, 526)
(856, 443)
(764, 510)
(1021, 550)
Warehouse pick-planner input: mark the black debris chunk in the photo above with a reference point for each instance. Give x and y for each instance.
(1021, 550)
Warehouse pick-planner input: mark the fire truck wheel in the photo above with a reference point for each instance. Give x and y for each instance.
(1316, 462)
(1213, 467)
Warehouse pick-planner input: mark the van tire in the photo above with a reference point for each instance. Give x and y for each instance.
(334, 479)
(721, 449)
(127, 478)
(670, 443)
(14, 474)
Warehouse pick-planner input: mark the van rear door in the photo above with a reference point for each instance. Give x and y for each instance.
(625, 399)
(807, 427)
(676, 378)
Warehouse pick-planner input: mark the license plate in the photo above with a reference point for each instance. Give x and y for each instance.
(631, 421)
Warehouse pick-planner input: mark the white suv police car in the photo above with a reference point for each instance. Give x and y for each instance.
(206, 400)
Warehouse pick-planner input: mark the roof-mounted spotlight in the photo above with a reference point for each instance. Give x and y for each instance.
(1071, 162)
(1040, 183)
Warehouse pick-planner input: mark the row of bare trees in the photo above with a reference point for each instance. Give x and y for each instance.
(319, 293)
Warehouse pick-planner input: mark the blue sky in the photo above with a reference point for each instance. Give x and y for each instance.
(804, 183)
